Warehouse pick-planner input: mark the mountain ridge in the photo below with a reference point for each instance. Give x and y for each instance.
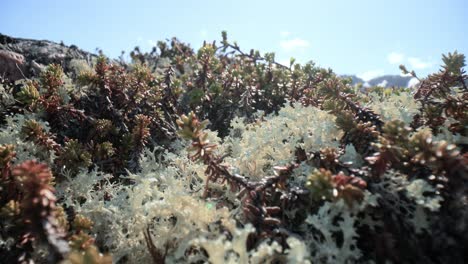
(387, 80)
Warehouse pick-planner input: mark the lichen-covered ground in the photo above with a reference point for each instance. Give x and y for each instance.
(225, 156)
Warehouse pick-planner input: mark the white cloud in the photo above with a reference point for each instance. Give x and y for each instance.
(368, 75)
(395, 58)
(294, 44)
(139, 39)
(285, 62)
(383, 83)
(285, 34)
(152, 43)
(413, 82)
(417, 63)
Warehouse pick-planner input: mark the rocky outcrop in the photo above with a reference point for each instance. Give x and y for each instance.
(20, 58)
(12, 65)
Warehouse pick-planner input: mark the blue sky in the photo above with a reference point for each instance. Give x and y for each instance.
(366, 38)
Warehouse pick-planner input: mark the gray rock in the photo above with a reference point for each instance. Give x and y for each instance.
(21, 58)
(12, 65)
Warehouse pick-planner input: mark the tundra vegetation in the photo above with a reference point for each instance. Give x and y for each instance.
(224, 155)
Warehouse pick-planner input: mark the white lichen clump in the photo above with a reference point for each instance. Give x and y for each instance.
(25, 150)
(400, 106)
(256, 148)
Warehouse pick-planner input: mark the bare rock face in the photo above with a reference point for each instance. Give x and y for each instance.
(25, 58)
(12, 65)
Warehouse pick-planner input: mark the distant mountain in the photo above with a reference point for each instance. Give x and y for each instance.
(384, 81)
(390, 81)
